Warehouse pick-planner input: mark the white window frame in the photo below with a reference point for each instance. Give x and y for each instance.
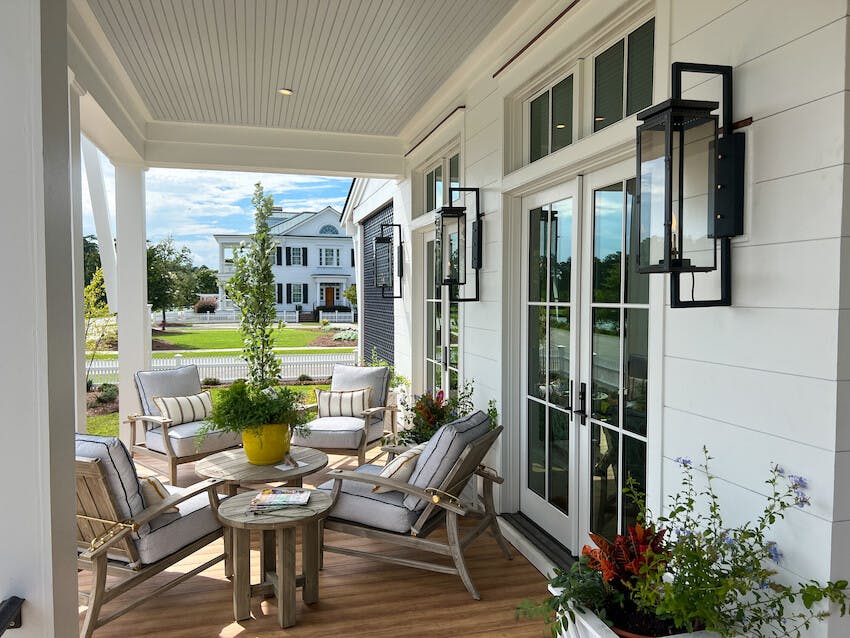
(323, 257)
(296, 289)
(574, 71)
(293, 261)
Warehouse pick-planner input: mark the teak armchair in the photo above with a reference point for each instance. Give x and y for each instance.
(408, 514)
(118, 535)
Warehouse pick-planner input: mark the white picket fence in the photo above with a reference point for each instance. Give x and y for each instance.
(292, 366)
(336, 316)
(220, 316)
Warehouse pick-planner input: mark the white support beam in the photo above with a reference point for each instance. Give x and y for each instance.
(103, 229)
(134, 326)
(74, 94)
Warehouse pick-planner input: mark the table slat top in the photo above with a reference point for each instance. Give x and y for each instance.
(234, 512)
(232, 465)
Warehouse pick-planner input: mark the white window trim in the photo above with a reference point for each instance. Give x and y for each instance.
(293, 250)
(323, 256)
(576, 70)
(296, 289)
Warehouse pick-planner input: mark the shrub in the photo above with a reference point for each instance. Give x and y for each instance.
(210, 381)
(108, 393)
(89, 385)
(305, 378)
(346, 335)
(205, 306)
(325, 322)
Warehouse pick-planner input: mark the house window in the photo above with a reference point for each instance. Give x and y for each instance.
(329, 256)
(622, 80)
(328, 229)
(295, 257)
(296, 293)
(551, 120)
(436, 195)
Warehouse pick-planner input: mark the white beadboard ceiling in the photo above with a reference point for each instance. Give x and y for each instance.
(356, 66)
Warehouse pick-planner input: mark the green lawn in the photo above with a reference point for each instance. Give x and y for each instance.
(107, 424)
(167, 354)
(211, 338)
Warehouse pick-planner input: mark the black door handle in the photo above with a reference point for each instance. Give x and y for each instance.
(582, 403)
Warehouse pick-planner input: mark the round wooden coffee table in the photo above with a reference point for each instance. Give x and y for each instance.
(279, 577)
(233, 467)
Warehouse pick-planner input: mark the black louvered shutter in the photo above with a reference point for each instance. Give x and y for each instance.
(278, 257)
(288, 293)
(304, 256)
(304, 293)
(288, 256)
(280, 292)
(352, 258)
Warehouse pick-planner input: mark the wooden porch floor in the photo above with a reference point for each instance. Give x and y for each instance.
(357, 597)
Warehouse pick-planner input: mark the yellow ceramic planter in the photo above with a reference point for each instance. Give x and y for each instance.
(266, 445)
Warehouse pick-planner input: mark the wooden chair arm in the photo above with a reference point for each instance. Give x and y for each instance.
(149, 513)
(401, 486)
(308, 406)
(373, 411)
(396, 449)
(489, 474)
(149, 418)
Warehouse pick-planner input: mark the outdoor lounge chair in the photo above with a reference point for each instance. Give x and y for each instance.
(175, 443)
(353, 436)
(406, 515)
(119, 535)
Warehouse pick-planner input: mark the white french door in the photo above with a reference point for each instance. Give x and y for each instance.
(442, 330)
(585, 328)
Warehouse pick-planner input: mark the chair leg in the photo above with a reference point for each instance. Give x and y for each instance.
(361, 455)
(173, 472)
(321, 544)
(490, 511)
(95, 601)
(457, 554)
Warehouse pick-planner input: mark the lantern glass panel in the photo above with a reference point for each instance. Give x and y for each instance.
(653, 190)
(453, 248)
(690, 222)
(384, 264)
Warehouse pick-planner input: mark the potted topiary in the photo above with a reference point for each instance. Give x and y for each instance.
(264, 413)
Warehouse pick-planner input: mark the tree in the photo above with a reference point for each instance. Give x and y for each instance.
(98, 324)
(252, 290)
(171, 281)
(91, 258)
(206, 280)
(350, 294)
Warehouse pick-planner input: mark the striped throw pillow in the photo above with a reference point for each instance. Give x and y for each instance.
(400, 468)
(343, 403)
(195, 407)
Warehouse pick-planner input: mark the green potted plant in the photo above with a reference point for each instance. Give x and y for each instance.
(264, 413)
(690, 574)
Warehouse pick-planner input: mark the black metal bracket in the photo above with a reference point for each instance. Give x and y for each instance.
(399, 259)
(10, 613)
(477, 243)
(727, 176)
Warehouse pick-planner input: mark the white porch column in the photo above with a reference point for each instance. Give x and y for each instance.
(74, 94)
(100, 212)
(134, 326)
(36, 335)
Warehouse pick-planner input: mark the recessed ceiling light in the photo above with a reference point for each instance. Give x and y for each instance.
(560, 126)
(285, 91)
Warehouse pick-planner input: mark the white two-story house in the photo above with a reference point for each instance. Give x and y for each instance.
(313, 262)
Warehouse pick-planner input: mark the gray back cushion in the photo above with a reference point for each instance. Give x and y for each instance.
(176, 382)
(118, 468)
(442, 452)
(356, 377)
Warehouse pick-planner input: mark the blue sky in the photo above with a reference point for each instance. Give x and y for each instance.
(192, 205)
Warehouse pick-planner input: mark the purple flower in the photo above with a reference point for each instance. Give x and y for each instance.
(683, 461)
(798, 482)
(773, 552)
(801, 499)
(728, 540)
(780, 470)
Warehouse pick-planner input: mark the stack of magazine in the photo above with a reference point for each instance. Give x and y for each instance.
(278, 498)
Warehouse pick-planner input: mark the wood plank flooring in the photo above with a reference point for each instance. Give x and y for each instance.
(357, 598)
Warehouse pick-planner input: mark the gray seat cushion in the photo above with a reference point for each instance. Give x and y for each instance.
(358, 504)
(170, 532)
(118, 468)
(339, 432)
(184, 439)
(176, 382)
(442, 452)
(357, 377)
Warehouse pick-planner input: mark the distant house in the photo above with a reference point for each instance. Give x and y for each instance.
(313, 262)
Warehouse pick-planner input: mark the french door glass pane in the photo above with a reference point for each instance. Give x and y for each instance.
(539, 135)
(431, 290)
(559, 356)
(634, 467)
(635, 359)
(438, 331)
(537, 351)
(562, 113)
(431, 347)
(537, 255)
(605, 366)
(559, 459)
(454, 171)
(604, 461)
(537, 448)
(454, 333)
(607, 243)
(608, 87)
(438, 186)
(430, 202)
(639, 77)
(561, 234)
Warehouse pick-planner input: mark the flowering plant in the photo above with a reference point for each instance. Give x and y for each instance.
(688, 570)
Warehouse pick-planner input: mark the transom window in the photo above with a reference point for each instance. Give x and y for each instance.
(623, 70)
(329, 256)
(551, 120)
(435, 180)
(328, 229)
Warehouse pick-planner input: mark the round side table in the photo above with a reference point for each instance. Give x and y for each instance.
(282, 581)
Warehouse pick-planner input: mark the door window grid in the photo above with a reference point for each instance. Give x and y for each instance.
(618, 416)
(548, 402)
(442, 329)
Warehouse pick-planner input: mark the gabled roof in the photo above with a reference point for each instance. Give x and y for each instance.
(284, 222)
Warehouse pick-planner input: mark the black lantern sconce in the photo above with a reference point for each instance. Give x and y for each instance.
(450, 258)
(690, 199)
(388, 261)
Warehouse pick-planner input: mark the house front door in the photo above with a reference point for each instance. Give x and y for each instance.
(330, 299)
